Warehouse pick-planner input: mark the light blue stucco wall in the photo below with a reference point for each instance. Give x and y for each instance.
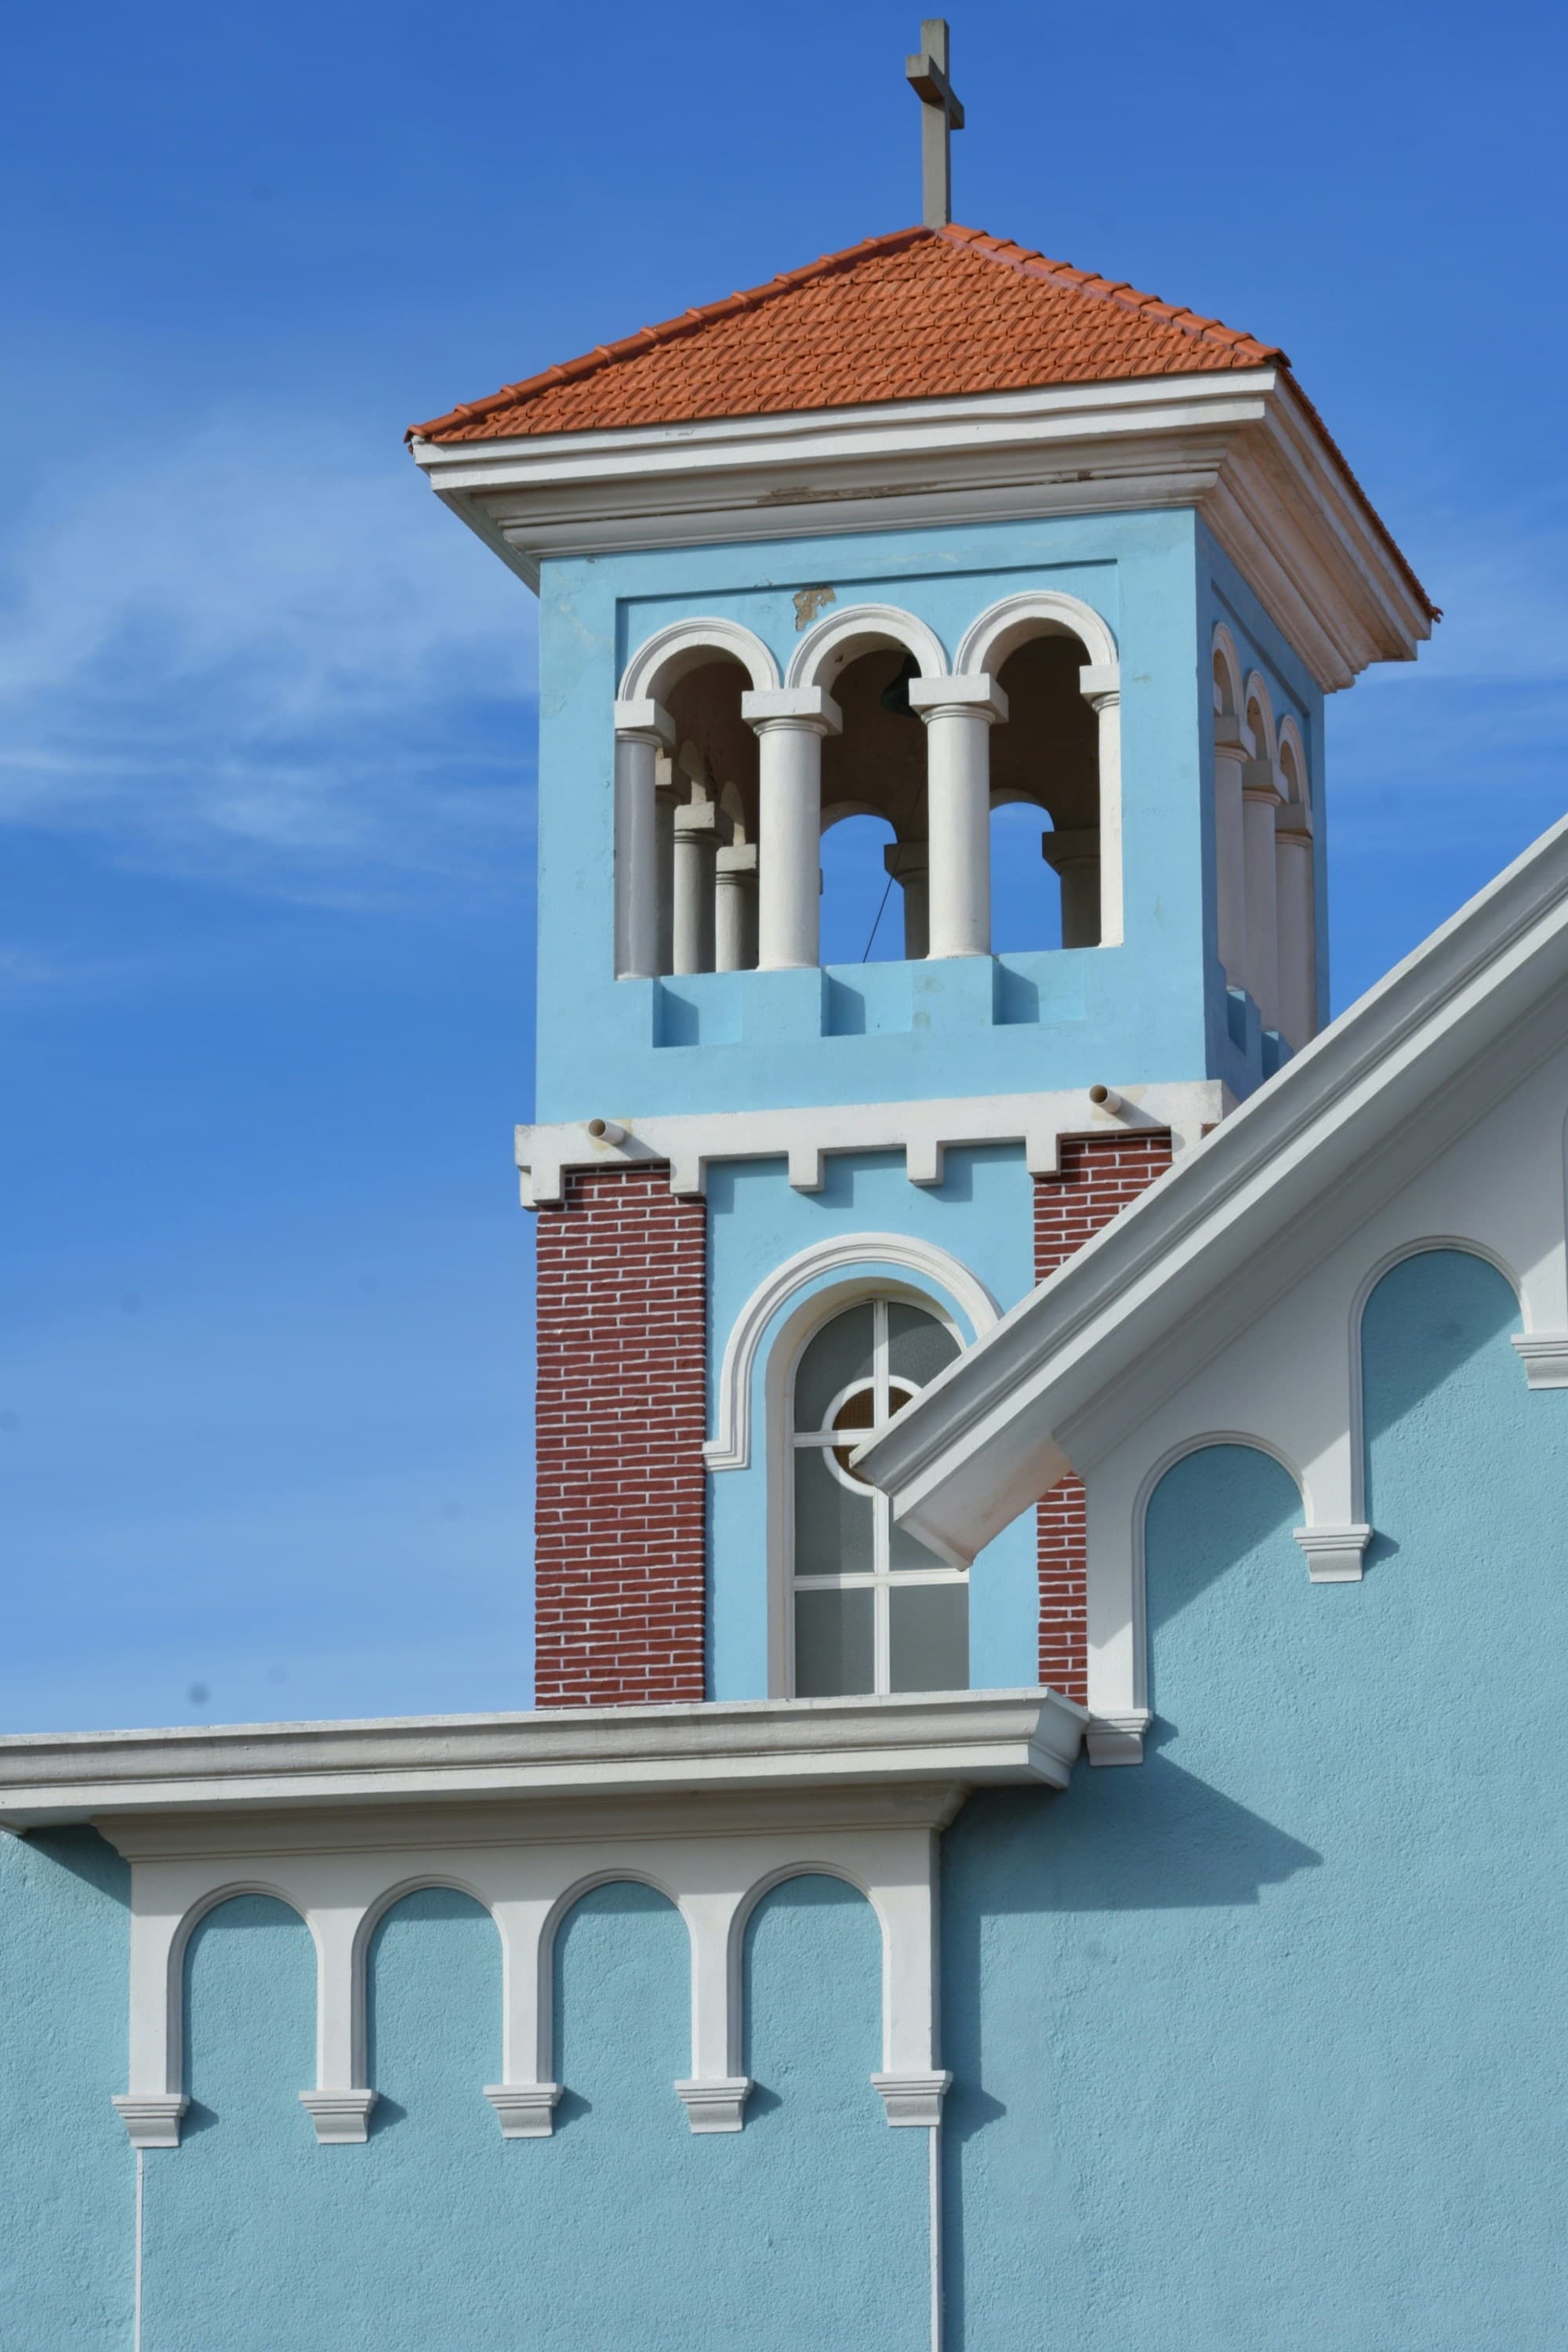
(1260, 2048)
(1257, 2048)
(982, 1214)
(960, 1026)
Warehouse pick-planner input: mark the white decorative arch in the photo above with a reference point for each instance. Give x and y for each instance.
(1292, 759)
(1256, 693)
(833, 642)
(665, 657)
(1038, 611)
(730, 1448)
(1227, 704)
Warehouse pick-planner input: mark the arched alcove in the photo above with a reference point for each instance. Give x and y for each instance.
(249, 2018)
(621, 1999)
(432, 2016)
(863, 916)
(1026, 893)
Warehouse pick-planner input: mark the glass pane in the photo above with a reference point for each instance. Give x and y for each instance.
(906, 1551)
(833, 1644)
(856, 1414)
(840, 1352)
(832, 1527)
(929, 1636)
(918, 1346)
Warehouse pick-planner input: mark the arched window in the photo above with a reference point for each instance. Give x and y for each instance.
(872, 1609)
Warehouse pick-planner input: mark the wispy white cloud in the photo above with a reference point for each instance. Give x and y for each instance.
(293, 669)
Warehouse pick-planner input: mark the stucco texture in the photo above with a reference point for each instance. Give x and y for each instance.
(1261, 2046)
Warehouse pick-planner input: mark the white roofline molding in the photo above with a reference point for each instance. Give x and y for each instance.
(1240, 445)
(1373, 1099)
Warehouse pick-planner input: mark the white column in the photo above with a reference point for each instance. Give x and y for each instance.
(667, 800)
(695, 848)
(790, 723)
(1100, 683)
(714, 2094)
(959, 714)
(912, 2080)
(1260, 798)
(340, 2101)
(735, 909)
(1298, 939)
(642, 731)
(1229, 851)
(1074, 858)
(909, 863)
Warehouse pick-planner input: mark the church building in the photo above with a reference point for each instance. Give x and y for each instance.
(1042, 1819)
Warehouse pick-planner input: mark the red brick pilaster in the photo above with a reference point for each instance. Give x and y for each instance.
(620, 1543)
(1097, 1175)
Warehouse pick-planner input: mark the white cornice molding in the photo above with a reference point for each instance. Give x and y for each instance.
(689, 1141)
(1282, 1181)
(1239, 446)
(558, 1753)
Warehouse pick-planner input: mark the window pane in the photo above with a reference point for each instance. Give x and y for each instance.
(832, 1527)
(833, 1646)
(906, 1551)
(840, 1352)
(929, 1636)
(918, 1346)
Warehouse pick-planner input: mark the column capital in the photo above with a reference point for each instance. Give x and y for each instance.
(972, 696)
(1077, 849)
(903, 859)
(1100, 683)
(805, 709)
(644, 721)
(1258, 782)
(1292, 824)
(696, 820)
(739, 859)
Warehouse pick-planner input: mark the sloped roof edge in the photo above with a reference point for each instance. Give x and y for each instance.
(980, 1444)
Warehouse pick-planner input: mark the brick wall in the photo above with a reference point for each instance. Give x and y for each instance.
(620, 1542)
(1097, 1175)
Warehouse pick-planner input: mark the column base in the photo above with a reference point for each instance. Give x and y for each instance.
(719, 2106)
(342, 2117)
(152, 2118)
(914, 2098)
(527, 2110)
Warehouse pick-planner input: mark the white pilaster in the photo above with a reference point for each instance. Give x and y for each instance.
(1298, 946)
(1261, 799)
(696, 850)
(735, 909)
(642, 731)
(959, 714)
(1100, 683)
(1230, 855)
(790, 723)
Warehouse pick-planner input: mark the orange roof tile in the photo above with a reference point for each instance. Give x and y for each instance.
(923, 314)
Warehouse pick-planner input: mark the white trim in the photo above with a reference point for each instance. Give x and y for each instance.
(730, 1448)
(1544, 1355)
(526, 2110)
(915, 2098)
(152, 2118)
(1003, 627)
(661, 660)
(1334, 1554)
(833, 642)
(342, 2117)
(712, 1856)
(1238, 445)
(719, 2106)
(1117, 1738)
(924, 1130)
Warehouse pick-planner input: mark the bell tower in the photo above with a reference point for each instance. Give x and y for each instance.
(929, 529)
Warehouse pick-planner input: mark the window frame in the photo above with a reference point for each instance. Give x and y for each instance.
(882, 1579)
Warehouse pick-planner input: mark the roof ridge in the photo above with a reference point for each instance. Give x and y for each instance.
(669, 330)
(1027, 263)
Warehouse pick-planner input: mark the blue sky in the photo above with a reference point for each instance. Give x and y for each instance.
(265, 716)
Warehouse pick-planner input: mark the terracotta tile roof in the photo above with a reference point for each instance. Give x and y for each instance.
(923, 314)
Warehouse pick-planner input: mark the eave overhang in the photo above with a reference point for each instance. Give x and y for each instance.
(1242, 448)
(558, 1755)
(1063, 1377)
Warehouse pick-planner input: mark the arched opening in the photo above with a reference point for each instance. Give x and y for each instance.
(863, 912)
(1260, 804)
(1047, 753)
(1295, 893)
(1027, 886)
(872, 1609)
(1230, 855)
(874, 873)
(707, 799)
